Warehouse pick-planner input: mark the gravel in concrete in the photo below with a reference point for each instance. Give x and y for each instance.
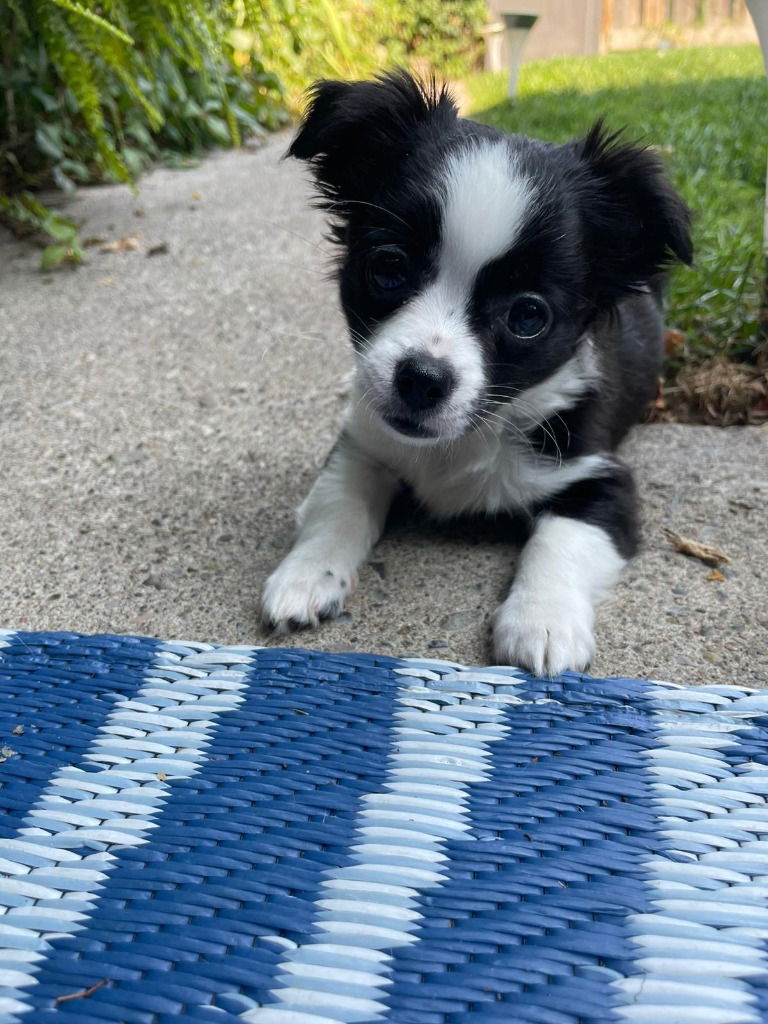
(161, 416)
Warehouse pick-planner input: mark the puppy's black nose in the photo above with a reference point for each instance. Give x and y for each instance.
(423, 381)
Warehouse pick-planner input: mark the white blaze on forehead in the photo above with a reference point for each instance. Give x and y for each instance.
(486, 198)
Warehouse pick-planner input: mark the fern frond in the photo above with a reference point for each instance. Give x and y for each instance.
(77, 73)
(76, 8)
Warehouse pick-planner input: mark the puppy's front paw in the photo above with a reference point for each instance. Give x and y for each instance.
(543, 633)
(302, 591)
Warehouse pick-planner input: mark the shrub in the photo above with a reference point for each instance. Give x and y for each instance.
(304, 41)
(83, 98)
(443, 35)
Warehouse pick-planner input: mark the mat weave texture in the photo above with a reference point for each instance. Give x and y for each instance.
(201, 833)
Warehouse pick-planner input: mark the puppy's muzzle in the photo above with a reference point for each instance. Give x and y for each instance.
(422, 383)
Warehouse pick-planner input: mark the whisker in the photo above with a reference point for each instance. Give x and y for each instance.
(485, 420)
(508, 423)
(373, 206)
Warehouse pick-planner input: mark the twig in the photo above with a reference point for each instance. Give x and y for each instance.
(83, 993)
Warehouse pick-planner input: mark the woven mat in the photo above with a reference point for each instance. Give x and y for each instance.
(201, 833)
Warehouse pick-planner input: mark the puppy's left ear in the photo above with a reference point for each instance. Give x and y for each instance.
(635, 222)
(355, 135)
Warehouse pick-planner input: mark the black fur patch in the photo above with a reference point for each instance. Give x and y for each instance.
(609, 502)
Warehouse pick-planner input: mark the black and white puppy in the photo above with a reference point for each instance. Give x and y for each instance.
(503, 302)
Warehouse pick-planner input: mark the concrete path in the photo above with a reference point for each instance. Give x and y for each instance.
(161, 416)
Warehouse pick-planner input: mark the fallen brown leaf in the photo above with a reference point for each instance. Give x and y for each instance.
(704, 552)
(673, 339)
(161, 776)
(121, 244)
(716, 576)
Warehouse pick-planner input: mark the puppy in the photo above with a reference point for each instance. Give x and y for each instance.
(502, 296)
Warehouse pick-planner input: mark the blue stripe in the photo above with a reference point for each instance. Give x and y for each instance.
(240, 849)
(56, 689)
(530, 924)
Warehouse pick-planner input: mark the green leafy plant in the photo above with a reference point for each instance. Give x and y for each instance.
(441, 35)
(93, 91)
(65, 248)
(303, 41)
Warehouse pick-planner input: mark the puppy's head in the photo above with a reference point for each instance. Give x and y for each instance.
(473, 262)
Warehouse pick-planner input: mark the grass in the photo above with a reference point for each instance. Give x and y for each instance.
(706, 109)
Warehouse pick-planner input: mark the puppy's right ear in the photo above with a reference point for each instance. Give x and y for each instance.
(356, 134)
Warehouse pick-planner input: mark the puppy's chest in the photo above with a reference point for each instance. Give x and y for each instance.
(479, 475)
(482, 472)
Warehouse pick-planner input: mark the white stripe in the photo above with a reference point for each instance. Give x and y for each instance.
(692, 970)
(560, 391)
(370, 905)
(6, 637)
(486, 199)
(115, 807)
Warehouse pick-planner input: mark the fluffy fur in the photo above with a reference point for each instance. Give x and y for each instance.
(502, 296)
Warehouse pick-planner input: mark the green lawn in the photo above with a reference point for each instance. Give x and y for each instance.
(706, 109)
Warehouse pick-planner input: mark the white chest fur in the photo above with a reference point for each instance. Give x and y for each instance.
(490, 470)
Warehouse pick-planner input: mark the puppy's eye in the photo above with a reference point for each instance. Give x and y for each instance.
(529, 316)
(388, 269)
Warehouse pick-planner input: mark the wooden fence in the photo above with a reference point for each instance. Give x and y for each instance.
(627, 24)
(581, 27)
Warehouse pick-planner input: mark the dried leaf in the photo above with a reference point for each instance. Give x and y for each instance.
(158, 250)
(18, 730)
(716, 576)
(704, 552)
(161, 776)
(673, 339)
(121, 244)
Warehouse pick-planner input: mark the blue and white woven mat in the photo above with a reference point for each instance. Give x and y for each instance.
(211, 834)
